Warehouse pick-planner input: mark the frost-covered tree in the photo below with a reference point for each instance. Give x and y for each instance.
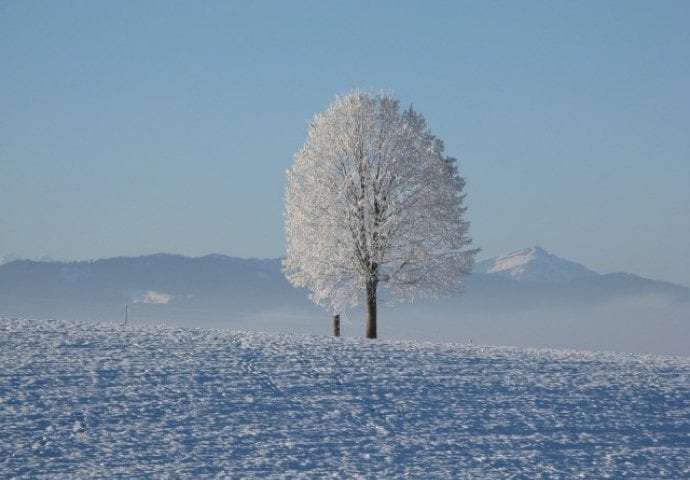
(372, 202)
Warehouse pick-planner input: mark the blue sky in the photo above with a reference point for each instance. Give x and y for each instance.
(135, 127)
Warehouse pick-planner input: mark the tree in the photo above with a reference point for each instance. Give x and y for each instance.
(372, 202)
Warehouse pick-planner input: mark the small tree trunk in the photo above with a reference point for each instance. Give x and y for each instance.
(371, 308)
(336, 325)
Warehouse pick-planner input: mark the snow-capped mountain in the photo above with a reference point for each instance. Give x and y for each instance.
(8, 258)
(534, 265)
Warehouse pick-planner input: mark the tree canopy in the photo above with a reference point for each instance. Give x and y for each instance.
(372, 201)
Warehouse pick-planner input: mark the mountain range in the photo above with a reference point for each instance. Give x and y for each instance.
(527, 298)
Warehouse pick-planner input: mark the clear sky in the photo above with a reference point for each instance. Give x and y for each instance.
(135, 127)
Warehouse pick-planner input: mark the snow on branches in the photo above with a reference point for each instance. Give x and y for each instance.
(372, 200)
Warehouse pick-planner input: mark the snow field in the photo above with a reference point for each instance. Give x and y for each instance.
(99, 401)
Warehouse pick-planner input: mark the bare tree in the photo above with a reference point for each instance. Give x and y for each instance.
(372, 202)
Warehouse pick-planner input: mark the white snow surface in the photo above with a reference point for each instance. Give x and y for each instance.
(515, 262)
(99, 401)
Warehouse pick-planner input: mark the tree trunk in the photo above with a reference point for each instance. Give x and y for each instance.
(336, 325)
(371, 308)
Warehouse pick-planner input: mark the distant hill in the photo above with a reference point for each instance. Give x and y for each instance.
(527, 298)
(210, 290)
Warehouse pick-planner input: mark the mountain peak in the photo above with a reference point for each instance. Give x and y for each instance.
(533, 264)
(8, 258)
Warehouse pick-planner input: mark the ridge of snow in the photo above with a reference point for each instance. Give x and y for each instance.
(535, 265)
(516, 261)
(8, 258)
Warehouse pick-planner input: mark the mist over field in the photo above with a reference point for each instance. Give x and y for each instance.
(538, 300)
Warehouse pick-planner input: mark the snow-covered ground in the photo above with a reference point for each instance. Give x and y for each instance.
(99, 401)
